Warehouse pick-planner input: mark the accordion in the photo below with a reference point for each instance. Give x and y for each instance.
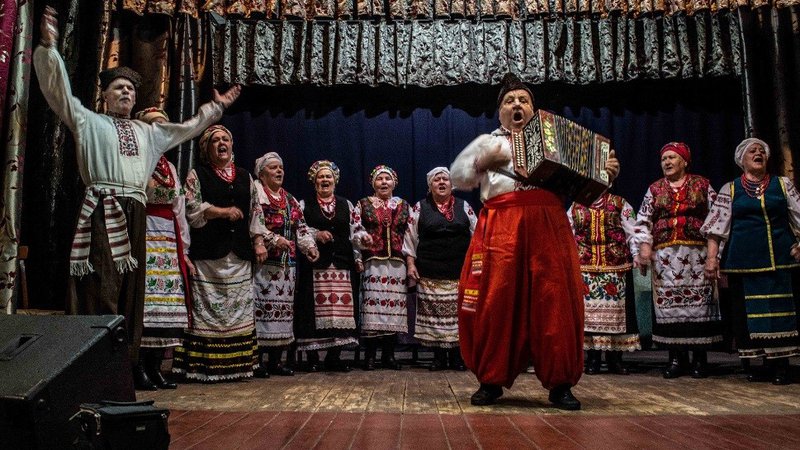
(561, 156)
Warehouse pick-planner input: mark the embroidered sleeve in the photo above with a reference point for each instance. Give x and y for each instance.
(258, 225)
(54, 83)
(793, 200)
(712, 196)
(473, 218)
(305, 240)
(168, 134)
(644, 225)
(311, 230)
(628, 219)
(463, 173)
(718, 221)
(357, 230)
(411, 238)
(195, 207)
(179, 209)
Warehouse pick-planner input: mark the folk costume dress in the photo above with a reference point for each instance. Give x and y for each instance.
(221, 343)
(326, 307)
(166, 280)
(115, 157)
(275, 281)
(605, 236)
(520, 296)
(383, 284)
(764, 279)
(438, 240)
(686, 310)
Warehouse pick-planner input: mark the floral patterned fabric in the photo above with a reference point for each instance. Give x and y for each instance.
(386, 222)
(604, 233)
(669, 216)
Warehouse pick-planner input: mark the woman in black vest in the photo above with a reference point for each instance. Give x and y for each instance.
(326, 305)
(227, 233)
(436, 242)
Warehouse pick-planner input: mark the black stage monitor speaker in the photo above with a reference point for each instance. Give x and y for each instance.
(49, 365)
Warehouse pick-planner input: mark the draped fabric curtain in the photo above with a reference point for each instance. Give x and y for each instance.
(436, 53)
(15, 56)
(771, 81)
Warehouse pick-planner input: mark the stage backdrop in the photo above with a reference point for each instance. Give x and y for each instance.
(415, 129)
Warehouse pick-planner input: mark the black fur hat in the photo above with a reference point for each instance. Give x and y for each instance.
(510, 83)
(109, 75)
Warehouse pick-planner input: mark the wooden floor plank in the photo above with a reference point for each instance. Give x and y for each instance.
(542, 433)
(497, 432)
(202, 433)
(189, 422)
(341, 433)
(237, 432)
(458, 433)
(312, 432)
(378, 431)
(278, 433)
(422, 431)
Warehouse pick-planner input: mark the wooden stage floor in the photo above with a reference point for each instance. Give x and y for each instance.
(418, 409)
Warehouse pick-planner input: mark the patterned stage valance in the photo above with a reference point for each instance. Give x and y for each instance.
(435, 53)
(441, 9)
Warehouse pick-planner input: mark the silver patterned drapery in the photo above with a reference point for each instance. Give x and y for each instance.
(436, 53)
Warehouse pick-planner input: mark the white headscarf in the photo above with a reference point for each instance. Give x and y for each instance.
(265, 160)
(435, 171)
(744, 145)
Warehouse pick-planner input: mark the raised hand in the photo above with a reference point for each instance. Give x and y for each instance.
(49, 27)
(227, 98)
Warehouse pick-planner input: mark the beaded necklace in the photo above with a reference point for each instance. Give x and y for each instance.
(755, 189)
(328, 207)
(224, 176)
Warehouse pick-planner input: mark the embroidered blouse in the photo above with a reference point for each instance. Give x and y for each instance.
(284, 217)
(605, 234)
(387, 224)
(158, 194)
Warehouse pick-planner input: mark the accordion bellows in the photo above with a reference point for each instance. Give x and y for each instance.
(559, 155)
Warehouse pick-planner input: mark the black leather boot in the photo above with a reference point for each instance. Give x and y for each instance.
(487, 394)
(141, 382)
(781, 372)
(371, 349)
(561, 397)
(592, 362)
(674, 368)
(274, 366)
(615, 365)
(334, 363)
(387, 353)
(312, 363)
(455, 360)
(699, 364)
(153, 369)
(439, 360)
(261, 370)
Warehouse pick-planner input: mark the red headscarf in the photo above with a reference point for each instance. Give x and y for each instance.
(680, 148)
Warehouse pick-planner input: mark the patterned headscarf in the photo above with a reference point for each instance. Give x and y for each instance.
(205, 138)
(265, 160)
(382, 169)
(153, 110)
(680, 148)
(744, 145)
(435, 171)
(323, 164)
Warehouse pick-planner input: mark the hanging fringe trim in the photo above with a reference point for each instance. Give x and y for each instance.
(80, 268)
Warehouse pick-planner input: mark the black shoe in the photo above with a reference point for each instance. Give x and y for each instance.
(674, 368)
(455, 360)
(313, 364)
(390, 363)
(369, 363)
(615, 363)
(141, 382)
(261, 372)
(699, 364)
(439, 360)
(280, 370)
(592, 362)
(561, 397)
(781, 376)
(486, 395)
(153, 370)
(369, 355)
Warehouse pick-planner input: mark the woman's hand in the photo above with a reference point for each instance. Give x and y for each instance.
(189, 266)
(366, 241)
(712, 268)
(411, 270)
(323, 237)
(359, 266)
(644, 258)
(795, 252)
(227, 98)
(283, 244)
(313, 254)
(49, 27)
(261, 252)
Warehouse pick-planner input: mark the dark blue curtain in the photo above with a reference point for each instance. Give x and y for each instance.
(415, 129)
